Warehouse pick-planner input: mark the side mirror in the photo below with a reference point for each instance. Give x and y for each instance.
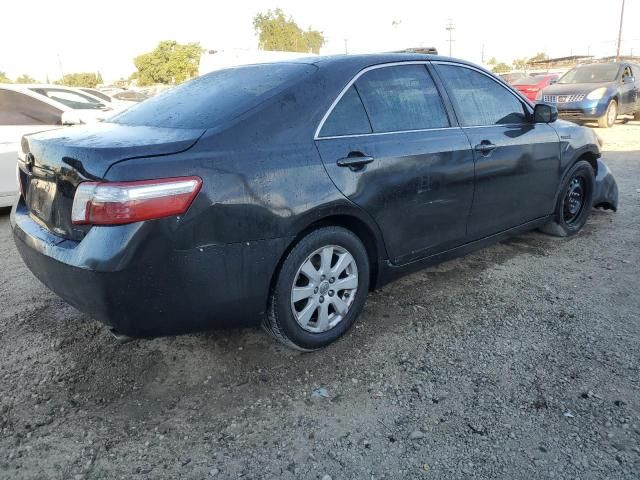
(543, 113)
(628, 80)
(555, 80)
(71, 118)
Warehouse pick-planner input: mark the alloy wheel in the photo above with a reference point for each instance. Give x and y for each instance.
(324, 288)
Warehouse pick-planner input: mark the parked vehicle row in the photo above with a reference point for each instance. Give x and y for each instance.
(28, 108)
(282, 193)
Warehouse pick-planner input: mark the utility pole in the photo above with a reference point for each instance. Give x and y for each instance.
(60, 65)
(346, 48)
(450, 28)
(482, 56)
(620, 33)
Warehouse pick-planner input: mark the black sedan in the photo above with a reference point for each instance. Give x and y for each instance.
(282, 193)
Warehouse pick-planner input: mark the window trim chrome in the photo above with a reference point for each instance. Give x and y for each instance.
(317, 136)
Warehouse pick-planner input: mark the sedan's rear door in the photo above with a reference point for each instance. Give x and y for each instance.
(389, 146)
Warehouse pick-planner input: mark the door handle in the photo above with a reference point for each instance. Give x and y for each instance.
(354, 162)
(485, 147)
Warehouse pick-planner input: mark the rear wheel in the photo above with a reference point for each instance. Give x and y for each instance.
(320, 290)
(574, 202)
(609, 118)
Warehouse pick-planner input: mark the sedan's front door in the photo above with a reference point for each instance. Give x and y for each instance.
(517, 161)
(388, 145)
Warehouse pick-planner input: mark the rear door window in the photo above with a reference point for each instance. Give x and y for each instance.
(19, 109)
(401, 98)
(480, 100)
(348, 117)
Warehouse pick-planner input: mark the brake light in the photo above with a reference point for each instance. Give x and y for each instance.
(114, 203)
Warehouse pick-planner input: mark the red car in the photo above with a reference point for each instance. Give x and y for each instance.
(530, 86)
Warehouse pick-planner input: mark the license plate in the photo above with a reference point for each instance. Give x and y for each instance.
(40, 198)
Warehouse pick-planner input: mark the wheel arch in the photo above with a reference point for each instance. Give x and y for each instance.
(588, 153)
(368, 234)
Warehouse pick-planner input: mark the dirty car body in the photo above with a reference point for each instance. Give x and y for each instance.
(274, 163)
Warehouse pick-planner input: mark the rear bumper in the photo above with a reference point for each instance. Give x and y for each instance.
(130, 278)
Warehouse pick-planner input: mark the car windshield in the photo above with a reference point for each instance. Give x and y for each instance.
(606, 72)
(218, 96)
(71, 99)
(531, 80)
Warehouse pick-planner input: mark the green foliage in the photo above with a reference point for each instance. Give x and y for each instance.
(501, 68)
(492, 61)
(539, 56)
(84, 79)
(4, 78)
(278, 32)
(520, 63)
(24, 78)
(169, 62)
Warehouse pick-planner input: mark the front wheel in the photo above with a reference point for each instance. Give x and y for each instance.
(609, 118)
(320, 289)
(574, 202)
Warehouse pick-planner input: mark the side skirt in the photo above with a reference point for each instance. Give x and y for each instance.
(392, 272)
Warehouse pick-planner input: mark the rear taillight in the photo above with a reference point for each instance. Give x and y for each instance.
(114, 203)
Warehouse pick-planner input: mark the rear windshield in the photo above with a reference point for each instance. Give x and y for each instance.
(604, 72)
(218, 96)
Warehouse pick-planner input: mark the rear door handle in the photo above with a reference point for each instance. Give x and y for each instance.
(354, 162)
(485, 147)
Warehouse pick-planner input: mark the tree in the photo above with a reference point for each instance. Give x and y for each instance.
(278, 32)
(492, 61)
(4, 78)
(520, 63)
(25, 79)
(538, 57)
(169, 62)
(501, 68)
(84, 79)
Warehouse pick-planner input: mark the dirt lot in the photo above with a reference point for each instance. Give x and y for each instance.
(519, 361)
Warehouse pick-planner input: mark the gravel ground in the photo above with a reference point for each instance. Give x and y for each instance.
(518, 361)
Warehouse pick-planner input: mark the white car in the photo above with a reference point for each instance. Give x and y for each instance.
(118, 101)
(26, 109)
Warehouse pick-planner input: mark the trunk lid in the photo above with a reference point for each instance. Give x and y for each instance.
(55, 162)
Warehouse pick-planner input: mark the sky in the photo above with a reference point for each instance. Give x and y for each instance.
(43, 38)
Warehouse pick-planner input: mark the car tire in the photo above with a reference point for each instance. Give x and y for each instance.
(609, 118)
(574, 203)
(333, 256)
(636, 116)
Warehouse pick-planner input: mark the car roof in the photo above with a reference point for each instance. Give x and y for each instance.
(30, 86)
(365, 60)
